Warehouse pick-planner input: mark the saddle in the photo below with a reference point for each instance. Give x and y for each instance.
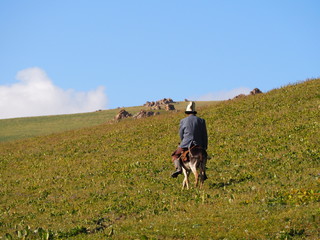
(192, 150)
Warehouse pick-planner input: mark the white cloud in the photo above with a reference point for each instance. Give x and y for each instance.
(36, 95)
(222, 95)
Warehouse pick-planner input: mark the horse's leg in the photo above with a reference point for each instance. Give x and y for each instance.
(193, 167)
(185, 182)
(202, 171)
(202, 174)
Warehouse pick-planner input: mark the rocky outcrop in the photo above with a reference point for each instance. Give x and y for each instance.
(169, 107)
(122, 115)
(159, 104)
(166, 103)
(240, 96)
(255, 91)
(143, 114)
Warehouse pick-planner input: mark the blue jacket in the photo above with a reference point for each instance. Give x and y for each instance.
(193, 130)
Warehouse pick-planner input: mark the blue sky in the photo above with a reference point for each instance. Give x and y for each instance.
(77, 56)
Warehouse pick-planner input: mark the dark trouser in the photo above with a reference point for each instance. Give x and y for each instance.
(176, 162)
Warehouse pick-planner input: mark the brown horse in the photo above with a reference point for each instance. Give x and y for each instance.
(194, 161)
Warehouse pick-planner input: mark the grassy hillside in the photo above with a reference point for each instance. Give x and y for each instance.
(21, 128)
(113, 180)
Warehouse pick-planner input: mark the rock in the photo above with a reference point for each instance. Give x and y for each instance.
(157, 105)
(143, 114)
(122, 114)
(170, 107)
(255, 91)
(240, 96)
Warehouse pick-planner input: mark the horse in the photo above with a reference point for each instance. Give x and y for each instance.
(194, 160)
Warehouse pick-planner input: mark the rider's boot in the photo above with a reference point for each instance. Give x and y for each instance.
(178, 167)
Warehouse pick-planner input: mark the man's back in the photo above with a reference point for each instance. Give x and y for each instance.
(193, 130)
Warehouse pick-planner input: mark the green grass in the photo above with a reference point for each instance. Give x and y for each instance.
(112, 180)
(21, 128)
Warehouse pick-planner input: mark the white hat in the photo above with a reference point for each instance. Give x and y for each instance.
(191, 108)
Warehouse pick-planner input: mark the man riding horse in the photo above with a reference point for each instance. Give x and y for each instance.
(193, 132)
